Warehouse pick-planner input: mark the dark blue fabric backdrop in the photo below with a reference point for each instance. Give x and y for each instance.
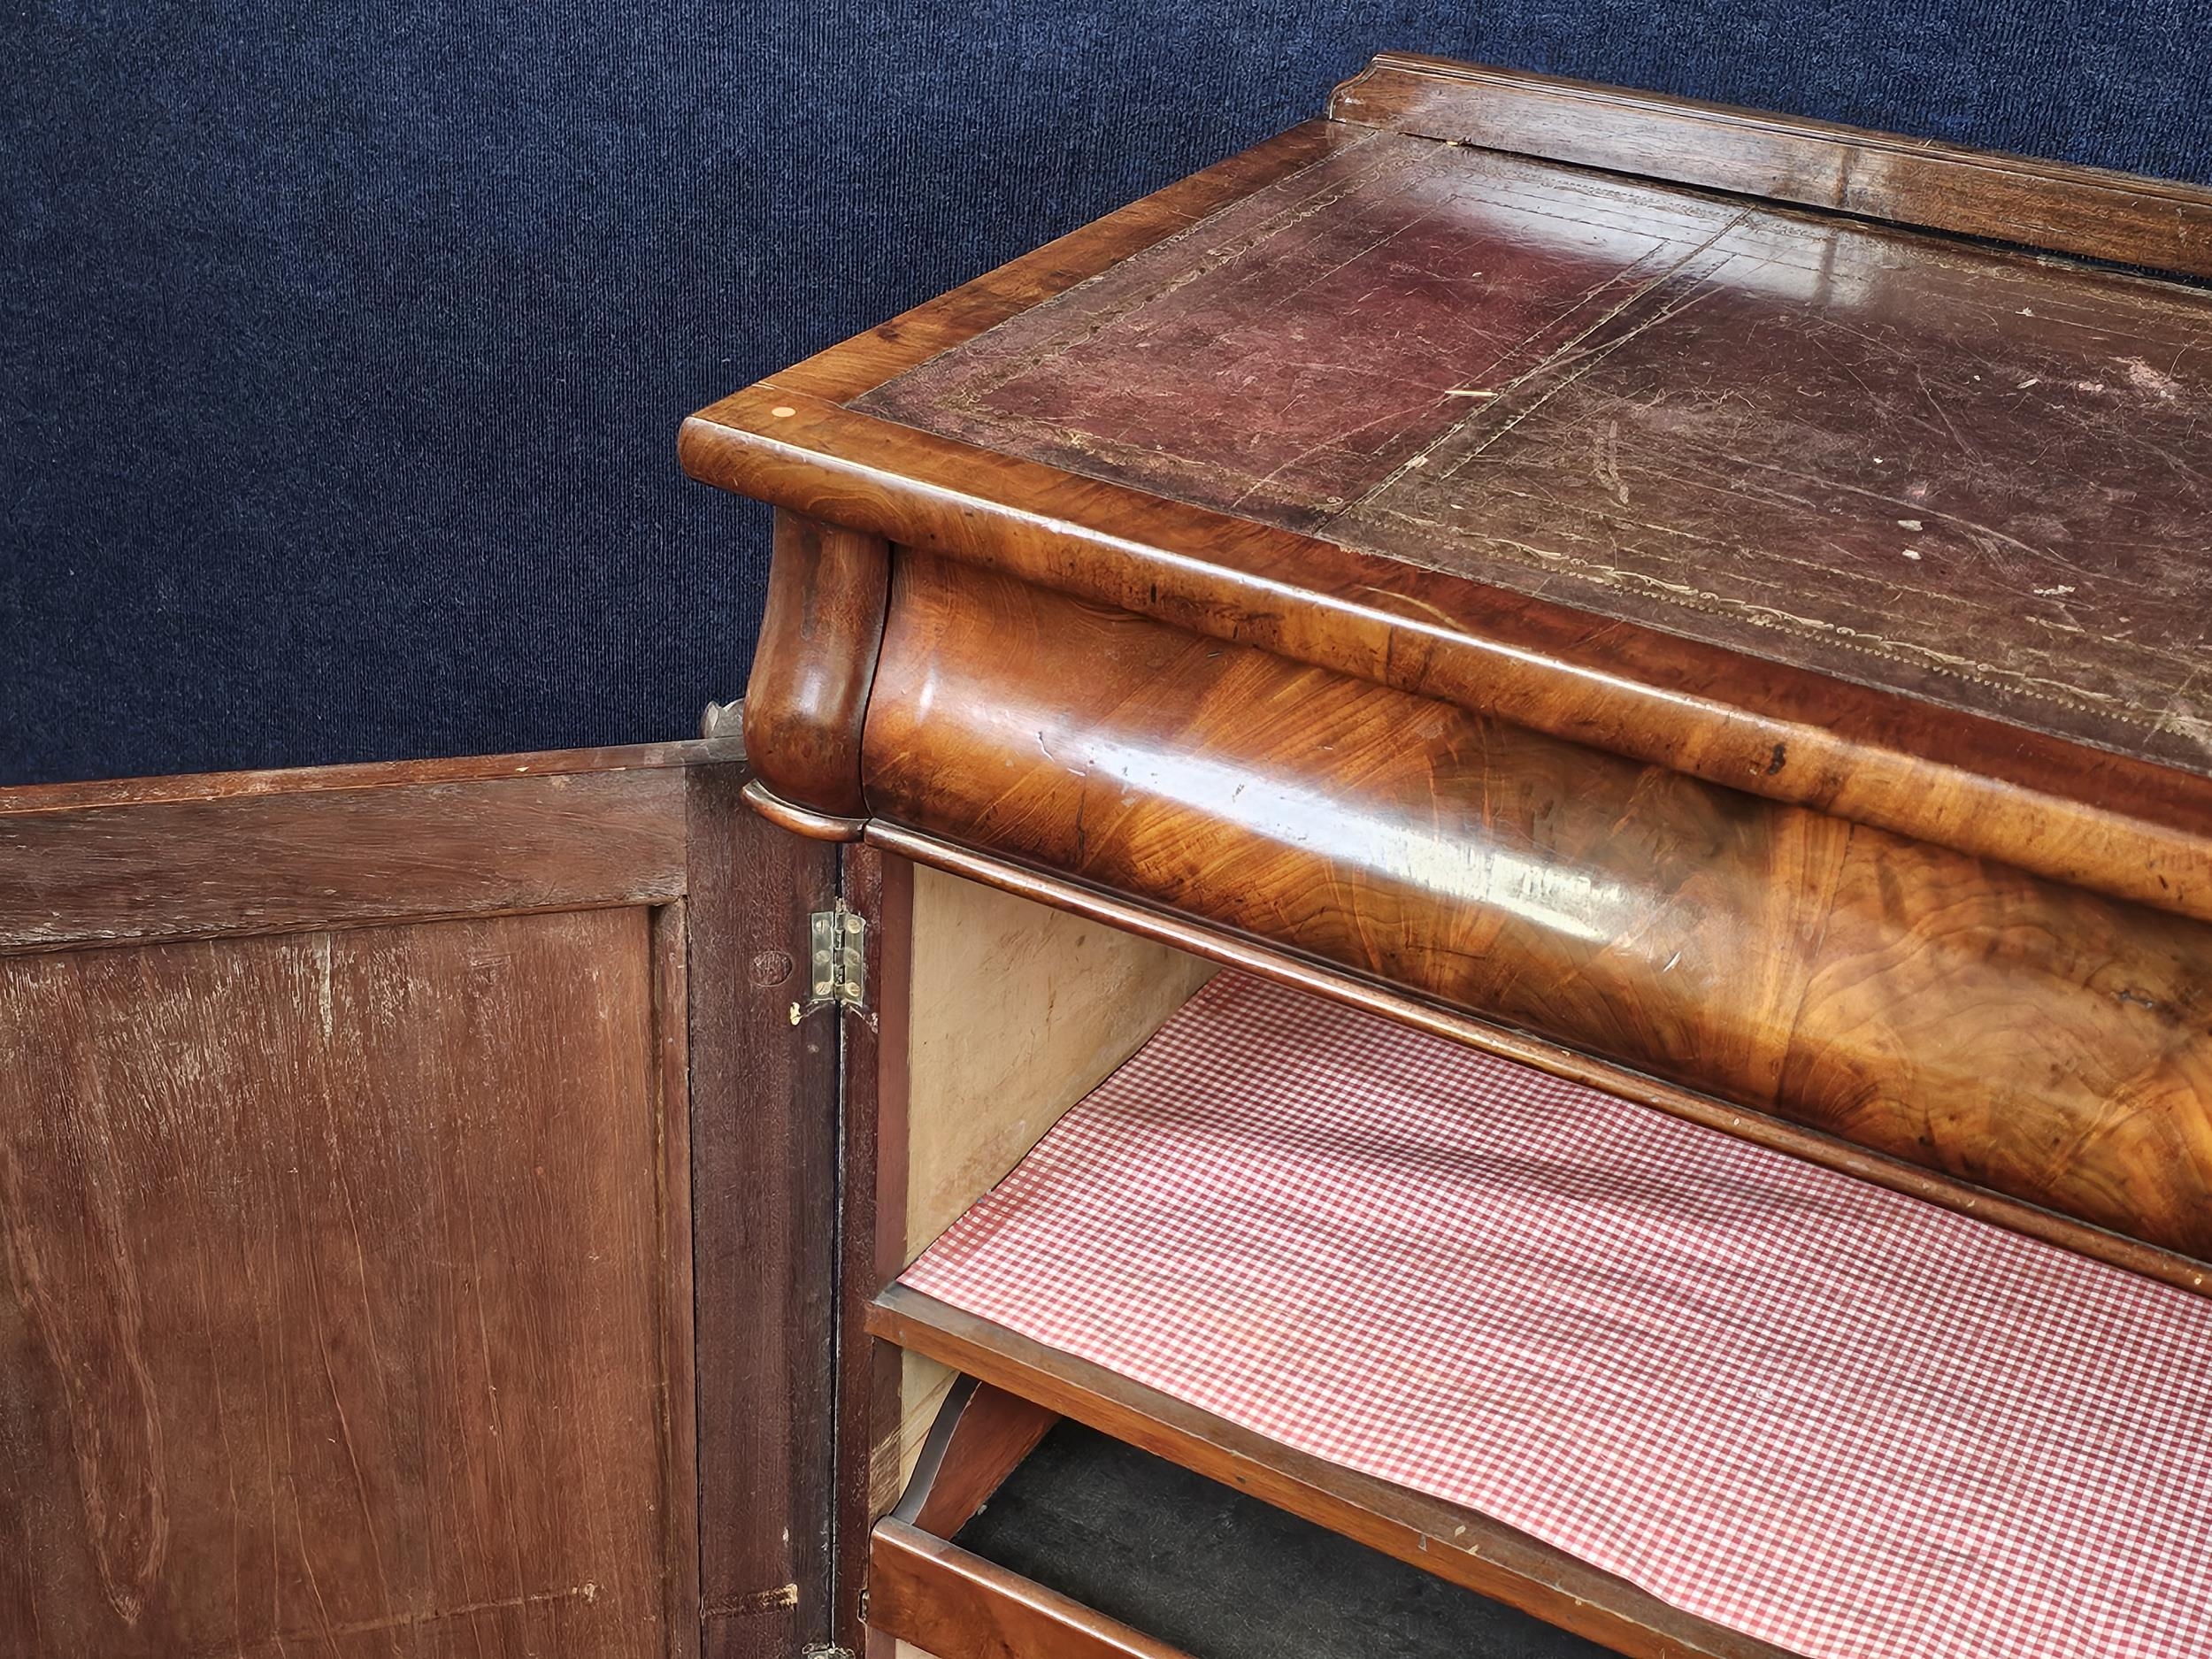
(345, 343)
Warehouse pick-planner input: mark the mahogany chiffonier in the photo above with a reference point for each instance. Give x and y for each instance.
(1466, 908)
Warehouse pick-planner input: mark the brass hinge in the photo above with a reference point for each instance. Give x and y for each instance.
(837, 961)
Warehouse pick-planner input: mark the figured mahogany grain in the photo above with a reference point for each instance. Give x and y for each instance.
(815, 659)
(1424, 1012)
(1848, 697)
(2033, 1038)
(2085, 816)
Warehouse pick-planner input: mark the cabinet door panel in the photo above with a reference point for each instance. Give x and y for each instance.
(346, 1276)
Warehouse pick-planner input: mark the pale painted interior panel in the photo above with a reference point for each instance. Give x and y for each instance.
(1016, 1012)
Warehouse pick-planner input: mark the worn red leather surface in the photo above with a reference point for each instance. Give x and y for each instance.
(1959, 472)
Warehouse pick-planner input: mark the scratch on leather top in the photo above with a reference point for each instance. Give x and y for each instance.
(1974, 476)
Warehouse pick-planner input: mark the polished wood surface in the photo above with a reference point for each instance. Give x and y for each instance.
(955, 1605)
(2033, 1038)
(346, 1291)
(1425, 1013)
(1740, 648)
(866, 360)
(1726, 712)
(2085, 816)
(1742, 655)
(2115, 216)
(818, 826)
(1954, 472)
(814, 662)
(1458, 1545)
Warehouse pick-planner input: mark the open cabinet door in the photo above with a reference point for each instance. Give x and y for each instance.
(364, 1135)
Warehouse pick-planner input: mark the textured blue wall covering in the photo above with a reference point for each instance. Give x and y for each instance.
(345, 344)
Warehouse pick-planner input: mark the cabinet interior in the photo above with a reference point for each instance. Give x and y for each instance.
(1014, 1012)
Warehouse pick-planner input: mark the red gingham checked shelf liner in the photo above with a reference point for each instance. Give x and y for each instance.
(1828, 1416)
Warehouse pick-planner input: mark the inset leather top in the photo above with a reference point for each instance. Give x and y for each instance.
(1976, 477)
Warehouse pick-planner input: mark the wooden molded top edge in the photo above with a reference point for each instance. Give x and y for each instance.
(2054, 207)
(380, 774)
(859, 365)
(2089, 817)
(2131, 828)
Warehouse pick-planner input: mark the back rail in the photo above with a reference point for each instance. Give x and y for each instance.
(2165, 224)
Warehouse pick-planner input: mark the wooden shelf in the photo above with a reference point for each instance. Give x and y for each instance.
(926, 1591)
(1457, 1545)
